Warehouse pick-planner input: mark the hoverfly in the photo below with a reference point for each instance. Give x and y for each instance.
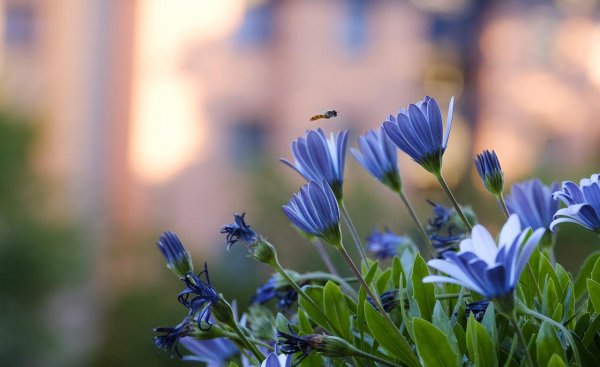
(326, 115)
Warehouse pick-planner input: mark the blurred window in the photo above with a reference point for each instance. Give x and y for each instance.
(258, 24)
(19, 23)
(355, 24)
(247, 146)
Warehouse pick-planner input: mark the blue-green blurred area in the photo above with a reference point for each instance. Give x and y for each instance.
(123, 119)
(40, 256)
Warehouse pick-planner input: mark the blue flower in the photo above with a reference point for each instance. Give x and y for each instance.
(239, 231)
(315, 211)
(199, 296)
(318, 158)
(214, 352)
(277, 289)
(446, 229)
(169, 340)
(178, 259)
(583, 203)
(477, 309)
(489, 269)
(273, 360)
(385, 244)
(418, 131)
(533, 202)
(490, 171)
(378, 156)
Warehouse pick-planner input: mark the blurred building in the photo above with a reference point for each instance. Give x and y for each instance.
(154, 112)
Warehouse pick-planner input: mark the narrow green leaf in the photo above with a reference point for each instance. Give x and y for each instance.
(550, 298)
(442, 322)
(371, 273)
(304, 323)
(397, 272)
(479, 345)
(316, 293)
(585, 272)
(389, 338)
(432, 345)
(336, 309)
(382, 282)
(547, 344)
(423, 293)
(233, 364)
(281, 322)
(594, 294)
(361, 323)
(489, 323)
(591, 331)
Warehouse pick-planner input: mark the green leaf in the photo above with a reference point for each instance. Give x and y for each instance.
(423, 293)
(432, 345)
(371, 273)
(595, 273)
(550, 299)
(547, 344)
(233, 364)
(442, 322)
(556, 361)
(389, 337)
(546, 269)
(303, 322)
(281, 322)
(479, 345)
(361, 323)
(591, 331)
(585, 272)
(382, 282)
(397, 272)
(336, 309)
(316, 293)
(594, 294)
(489, 323)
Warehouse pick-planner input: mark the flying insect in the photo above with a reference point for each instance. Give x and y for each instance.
(326, 115)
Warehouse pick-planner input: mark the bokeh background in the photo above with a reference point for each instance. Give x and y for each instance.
(120, 119)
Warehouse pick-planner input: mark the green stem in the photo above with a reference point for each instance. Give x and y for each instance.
(515, 324)
(414, 217)
(353, 231)
(303, 294)
(251, 347)
(453, 201)
(527, 311)
(358, 275)
(324, 256)
(502, 204)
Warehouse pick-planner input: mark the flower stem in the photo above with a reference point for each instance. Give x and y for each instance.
(358, 275)
(519, 332)
(453, 201)
(414, 217)
(360, 278)
(502, 204)
(324, 256)
(527, 311)
(303, 294)
(251, 347)
(353, 231)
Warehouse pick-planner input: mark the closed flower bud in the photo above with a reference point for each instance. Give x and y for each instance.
(263, 252)
(490, 171)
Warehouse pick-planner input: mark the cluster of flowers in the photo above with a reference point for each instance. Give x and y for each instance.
(396, 316)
